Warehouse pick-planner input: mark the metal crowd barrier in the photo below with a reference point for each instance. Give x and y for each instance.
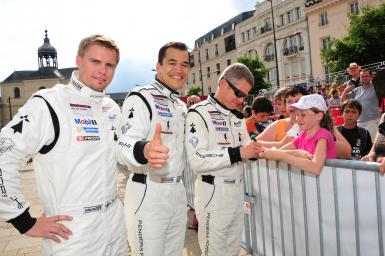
(290, 212)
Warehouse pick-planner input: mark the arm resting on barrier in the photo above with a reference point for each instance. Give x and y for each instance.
(313, 165)
(343, 148)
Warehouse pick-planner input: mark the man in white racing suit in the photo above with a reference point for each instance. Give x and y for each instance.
(216, 142)
(151, 145)
(70, 131)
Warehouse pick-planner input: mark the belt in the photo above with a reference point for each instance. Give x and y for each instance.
(210, 179)
(79, 210)
(142, 178)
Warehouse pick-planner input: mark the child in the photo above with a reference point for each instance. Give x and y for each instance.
(261, 110)
(315, 142)
(358, 137)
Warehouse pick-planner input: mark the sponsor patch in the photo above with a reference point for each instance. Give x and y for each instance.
(125, 128)
(80, 110)
(76, 85)
(122, 144)
(238, 124)
(194, 141)
(6, 144)
(166, 114)
(95, 208)
(218, 122)
(87, 138)
(221, 129)
(161, 107)
(85, 121)
(160, 99)
(216, 115)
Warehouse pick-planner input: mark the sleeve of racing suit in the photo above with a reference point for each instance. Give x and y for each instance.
(133, 131)
(29, 130)
(200, 157)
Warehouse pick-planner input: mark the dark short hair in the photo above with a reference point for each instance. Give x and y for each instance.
(261, 104)
(351, 103)
(296, 90)
(177, 45)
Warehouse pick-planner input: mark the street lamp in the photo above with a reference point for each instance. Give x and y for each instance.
(10, 109)
(275, 43)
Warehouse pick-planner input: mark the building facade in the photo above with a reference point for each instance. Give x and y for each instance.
(329, 19)
(256, 36)
(212, 53)
(19, 86)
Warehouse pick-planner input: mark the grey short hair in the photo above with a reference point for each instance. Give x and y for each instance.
(238, 71)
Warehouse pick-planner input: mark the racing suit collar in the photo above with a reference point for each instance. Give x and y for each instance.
(165, 90)
(221, 108)
(84, 90)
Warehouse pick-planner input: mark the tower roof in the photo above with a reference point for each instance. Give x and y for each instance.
(46, 49)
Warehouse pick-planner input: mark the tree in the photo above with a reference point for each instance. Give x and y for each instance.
(259, 72)
(193, 90)
(364, 43)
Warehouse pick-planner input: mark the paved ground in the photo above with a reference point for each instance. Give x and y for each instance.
(12, 243)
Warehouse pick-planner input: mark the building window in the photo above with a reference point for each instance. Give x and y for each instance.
(208, 72)
(230, 43)
(282, 19)
(207, 54)
(290, 16)
(204, 40)
(354, 8)
(248, 35)
(218, 69)
(222, 31)
(254, 31)
(228, 62)
(324, 19)
(326, 43)
(16, 93)
(212, 36)
(301, 43)
(298, 13)
(250, 53)
(193, 78)
(243, 37)
(233, 26)
(216, 50)
(269, 52)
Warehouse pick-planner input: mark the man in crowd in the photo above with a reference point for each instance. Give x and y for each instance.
(354, 71)
(193, 99)
(367, 96)
(261, 110)
(217, 142)
(358, 137)
(151, 145)
(69, 131)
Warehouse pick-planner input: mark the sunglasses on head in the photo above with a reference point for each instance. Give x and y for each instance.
(238, 93)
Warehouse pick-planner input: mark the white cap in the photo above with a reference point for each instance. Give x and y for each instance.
(311, 101)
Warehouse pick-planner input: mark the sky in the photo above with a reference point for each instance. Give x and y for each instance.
(140, 28)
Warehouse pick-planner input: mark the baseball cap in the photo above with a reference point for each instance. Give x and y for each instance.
(311, 101)
(353, 65)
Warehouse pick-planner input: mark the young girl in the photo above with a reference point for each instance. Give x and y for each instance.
(315, 142)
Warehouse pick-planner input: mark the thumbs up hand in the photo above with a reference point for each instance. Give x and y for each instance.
(155, 152)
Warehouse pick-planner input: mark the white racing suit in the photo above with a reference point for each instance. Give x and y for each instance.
(213, 137)
(155, 199)
(70, 132)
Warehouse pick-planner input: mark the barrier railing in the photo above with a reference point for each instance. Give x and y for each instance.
(289, 212)
(293, 213)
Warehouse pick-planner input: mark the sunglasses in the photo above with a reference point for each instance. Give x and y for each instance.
(238, 93)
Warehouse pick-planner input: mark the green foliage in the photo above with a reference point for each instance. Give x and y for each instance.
(194, 90)
(259, 72)
(364, 43)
